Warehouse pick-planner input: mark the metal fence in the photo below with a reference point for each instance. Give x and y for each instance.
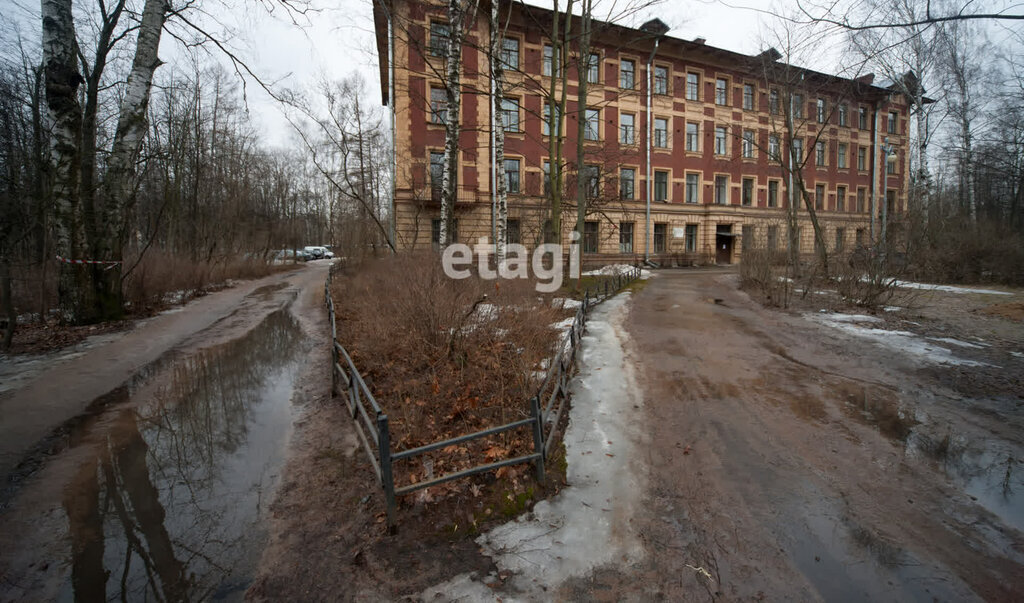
(546, 406)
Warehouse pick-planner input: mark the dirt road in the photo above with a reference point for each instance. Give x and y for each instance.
(144, 466)
(788, 463)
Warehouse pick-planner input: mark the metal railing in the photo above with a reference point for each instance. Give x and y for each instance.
(546, 406)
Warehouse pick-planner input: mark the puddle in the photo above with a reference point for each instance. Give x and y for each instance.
(179, 473)
(991, 474)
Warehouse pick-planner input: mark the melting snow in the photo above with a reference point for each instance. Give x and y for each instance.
(614, 269)
(566, 302)
(962, 344)
(901, 341)
(947, 288)
(588, 523)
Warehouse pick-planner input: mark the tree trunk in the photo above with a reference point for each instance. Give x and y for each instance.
(119, 183)
(457, 21)
(581, 107)
(501, 186)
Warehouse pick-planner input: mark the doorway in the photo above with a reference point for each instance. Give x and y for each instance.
(723, 243)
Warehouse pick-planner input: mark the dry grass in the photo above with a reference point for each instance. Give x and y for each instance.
(162, 278)
(446, 357)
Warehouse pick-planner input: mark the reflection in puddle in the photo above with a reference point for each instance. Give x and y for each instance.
(170, 507)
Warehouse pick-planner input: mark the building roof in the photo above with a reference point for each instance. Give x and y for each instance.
(644, 36)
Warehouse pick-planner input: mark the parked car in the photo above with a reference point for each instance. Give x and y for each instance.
(314, 251)
(286, 256)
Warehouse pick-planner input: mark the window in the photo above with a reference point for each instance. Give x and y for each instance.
(840, 235)
(773, 101)
(693, 188)
(819, 153)
(625, 237)
(862, 194)
(892, 122)
(550, 63)
(439, 34)
(721, 91)
(748, 192)
(798, 150)
(513, 232)
(860, 236)
(862, 159)
(436, 174)
(627, 183)
(512, 176)
(510, 114)
(840, 198)
(593, 181)
(773, 147)
(590, 237)
(591, 128)
(890, 165)
(692, 86)
(660, 79)
(890, 202)
(660, 186)
(843, 117)
(773, 193)
(660, 236)
(691, 238)
(862, 118)
(748, 144)
(438, 106)
(721, 142)
(748, 97)
(722, 190)
(798, 105)
(773, 238)
(627, 74)
(594, 68)
(821, 110)
(841, 156)
(661, 132)
(748, 237)
(510, 53)
(546, 168)
(435, 232)
(546, 126)
(692, 137)
(819, 196)
(627, 128)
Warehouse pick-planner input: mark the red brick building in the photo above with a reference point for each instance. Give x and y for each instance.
(712, 121)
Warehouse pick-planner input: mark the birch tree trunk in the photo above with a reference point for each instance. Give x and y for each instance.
(60, 67)
(120, 181)
(457, 19)
(581, 105)
(501, 186)
(559, 74)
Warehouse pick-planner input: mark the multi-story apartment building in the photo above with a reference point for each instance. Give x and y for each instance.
(686, 145)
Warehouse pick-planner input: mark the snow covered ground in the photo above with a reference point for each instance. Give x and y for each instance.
(922, 348)
(614, 269)
(588, 523)
(947, 288)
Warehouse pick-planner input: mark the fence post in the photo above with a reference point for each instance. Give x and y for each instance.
(384, 447)
(538, 436)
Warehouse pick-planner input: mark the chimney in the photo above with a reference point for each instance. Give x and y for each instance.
(700, 40)
(867, 78)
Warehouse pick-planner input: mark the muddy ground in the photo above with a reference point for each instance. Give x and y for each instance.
(781, 457)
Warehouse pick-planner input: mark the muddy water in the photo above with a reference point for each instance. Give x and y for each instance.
(168, 487)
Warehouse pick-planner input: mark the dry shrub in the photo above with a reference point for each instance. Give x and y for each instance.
(446, 357)
(162, 277)
(955, 252)
(763, 273)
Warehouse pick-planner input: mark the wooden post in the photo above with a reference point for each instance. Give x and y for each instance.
(384, 447)
(538, 436)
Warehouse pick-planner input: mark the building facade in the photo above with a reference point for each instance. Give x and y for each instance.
(712, 145)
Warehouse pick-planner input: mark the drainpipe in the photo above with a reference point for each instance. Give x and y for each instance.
(394, 126)
(650, 141)
(874, 170)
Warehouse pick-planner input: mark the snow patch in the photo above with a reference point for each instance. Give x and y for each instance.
(900, 341)
(616, 269)
(563, 325)
(947, 288)
(957, 342)
(837, 317)
(566, 302)
(588, 524)
(892, 308)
